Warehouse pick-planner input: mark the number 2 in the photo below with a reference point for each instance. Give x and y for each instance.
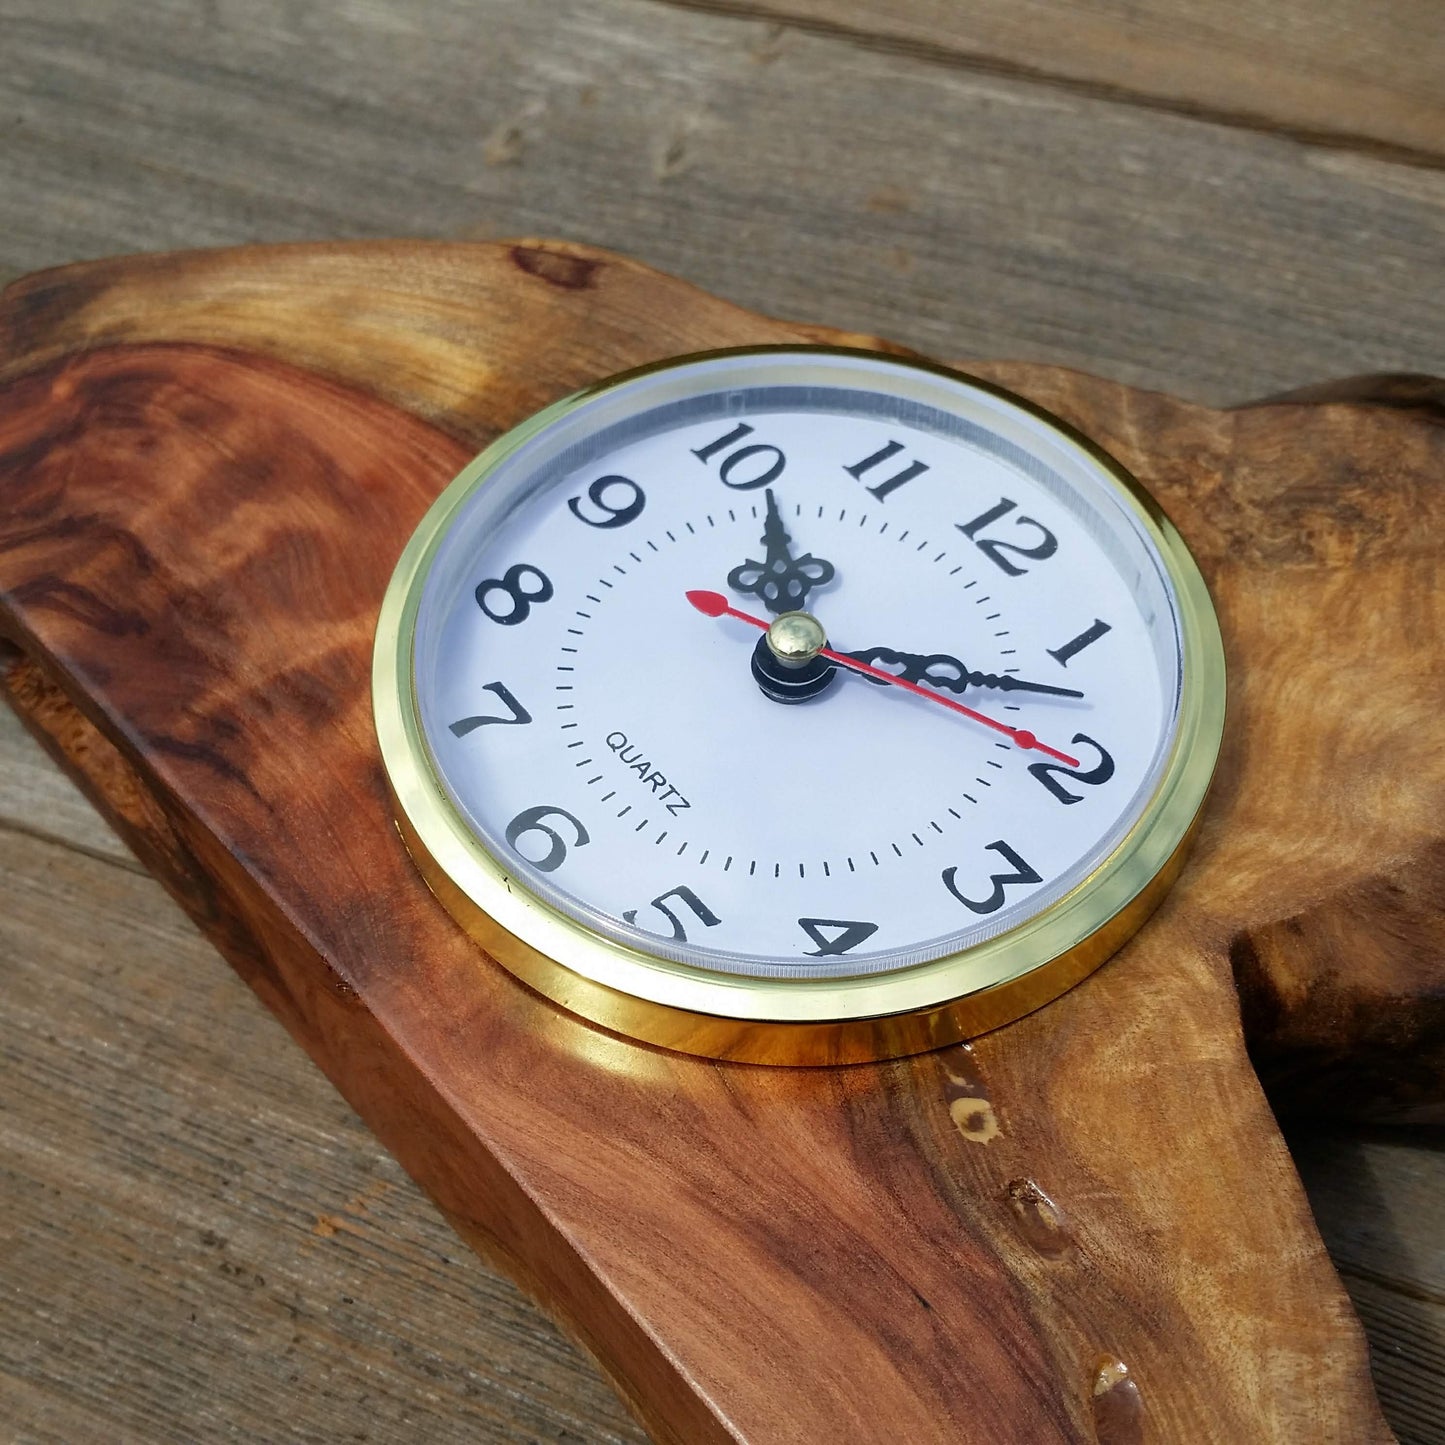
(1100, 773)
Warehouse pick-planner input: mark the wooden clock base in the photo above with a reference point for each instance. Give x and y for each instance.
(1083, 1226)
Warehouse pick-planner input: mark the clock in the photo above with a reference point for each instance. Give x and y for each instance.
(797, 705)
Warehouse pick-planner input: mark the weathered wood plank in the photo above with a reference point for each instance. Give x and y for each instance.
(198, 1237)
(1379, 1199)
(1408, 1348)
(962, 213)
(36, 798)
(1338, 72)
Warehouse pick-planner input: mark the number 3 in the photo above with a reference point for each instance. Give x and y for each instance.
(1024, 873)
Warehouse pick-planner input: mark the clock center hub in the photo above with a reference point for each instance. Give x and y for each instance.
(796, 638)
(788, 663)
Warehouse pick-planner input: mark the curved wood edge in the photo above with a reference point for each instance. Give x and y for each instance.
(1400, 390)
(935, 1230)
(338, 309)
(323, 1013)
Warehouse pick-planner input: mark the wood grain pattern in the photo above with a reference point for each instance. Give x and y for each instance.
(1334, 924)
(964, 1229)
(1355, 75)
(131, 1268)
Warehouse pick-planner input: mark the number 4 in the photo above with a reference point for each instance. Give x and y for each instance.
(849, 934)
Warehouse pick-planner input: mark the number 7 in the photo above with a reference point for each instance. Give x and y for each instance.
(465, 725)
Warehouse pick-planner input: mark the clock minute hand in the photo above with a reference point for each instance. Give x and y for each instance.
(781, 582)
(714, 604)
(938, 669)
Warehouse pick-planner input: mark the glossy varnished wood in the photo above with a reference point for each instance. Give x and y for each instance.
(704, 1228)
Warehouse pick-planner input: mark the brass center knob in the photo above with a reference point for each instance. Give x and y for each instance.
(796, 638)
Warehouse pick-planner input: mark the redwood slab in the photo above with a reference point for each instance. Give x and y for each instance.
(1082, 1226)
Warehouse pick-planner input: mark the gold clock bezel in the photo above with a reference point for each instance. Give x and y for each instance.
(796, 1020)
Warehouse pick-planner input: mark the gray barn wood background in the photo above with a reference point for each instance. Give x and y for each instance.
(198, 1241)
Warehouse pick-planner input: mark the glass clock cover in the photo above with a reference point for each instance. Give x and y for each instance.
(985, 737)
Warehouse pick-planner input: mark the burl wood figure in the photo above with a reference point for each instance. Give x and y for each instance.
(1084, 1226)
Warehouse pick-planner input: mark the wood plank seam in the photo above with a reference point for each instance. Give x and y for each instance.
(982, 63)
(21, 829)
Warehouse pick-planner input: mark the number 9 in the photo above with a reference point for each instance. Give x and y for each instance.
(615, 516)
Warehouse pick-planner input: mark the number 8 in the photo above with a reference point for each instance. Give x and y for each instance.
(510, 582)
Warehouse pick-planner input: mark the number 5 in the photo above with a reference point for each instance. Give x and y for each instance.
(687, 896)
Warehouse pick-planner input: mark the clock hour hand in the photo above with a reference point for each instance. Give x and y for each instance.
(938, 669)
(781, 582)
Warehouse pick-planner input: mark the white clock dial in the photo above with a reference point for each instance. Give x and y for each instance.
(610, 745)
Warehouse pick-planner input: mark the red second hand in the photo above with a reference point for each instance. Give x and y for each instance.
(714, 604)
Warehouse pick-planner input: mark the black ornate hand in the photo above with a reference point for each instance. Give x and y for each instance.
(781, 582)
(938, 669)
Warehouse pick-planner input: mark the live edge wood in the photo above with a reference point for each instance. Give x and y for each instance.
(1084, 1226)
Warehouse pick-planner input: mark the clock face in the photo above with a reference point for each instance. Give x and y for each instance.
(619, 710)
